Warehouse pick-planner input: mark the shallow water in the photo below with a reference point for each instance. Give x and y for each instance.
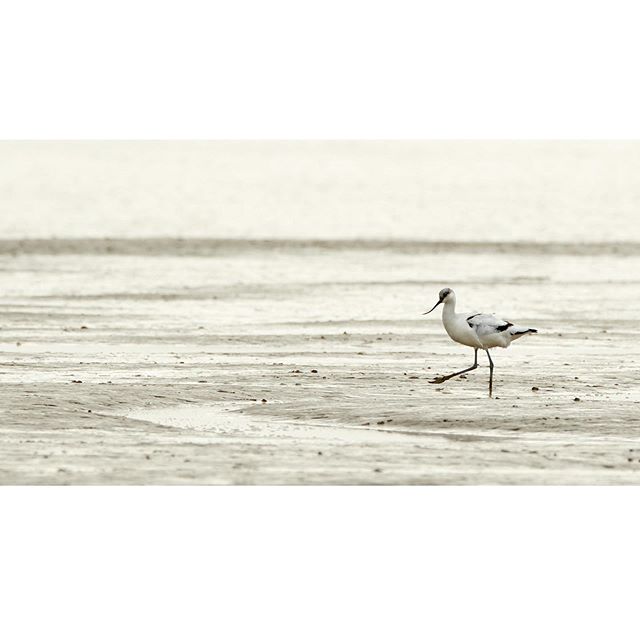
(224, 421)
(476, 191)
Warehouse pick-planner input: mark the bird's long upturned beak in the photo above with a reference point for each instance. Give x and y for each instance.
(432, 308)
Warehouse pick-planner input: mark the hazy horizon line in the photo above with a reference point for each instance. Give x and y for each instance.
(167, 245)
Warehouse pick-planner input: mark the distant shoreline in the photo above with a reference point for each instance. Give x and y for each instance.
(214, 246)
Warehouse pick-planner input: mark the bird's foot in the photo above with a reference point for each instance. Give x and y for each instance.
(438, 380)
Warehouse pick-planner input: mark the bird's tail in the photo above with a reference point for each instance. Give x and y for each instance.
(521, 331)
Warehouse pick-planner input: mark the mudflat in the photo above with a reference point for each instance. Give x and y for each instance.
(170, 361)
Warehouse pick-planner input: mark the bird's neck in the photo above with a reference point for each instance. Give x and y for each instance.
(449, 309)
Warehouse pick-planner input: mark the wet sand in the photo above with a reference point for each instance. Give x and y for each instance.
(174, 361)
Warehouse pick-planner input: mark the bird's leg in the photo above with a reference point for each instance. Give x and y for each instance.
(441, 379)
(490, 373)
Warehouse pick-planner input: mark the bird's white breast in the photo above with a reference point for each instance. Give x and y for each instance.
(459, 331)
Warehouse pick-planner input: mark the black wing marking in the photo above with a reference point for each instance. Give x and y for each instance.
(469, 318)
(493, 324)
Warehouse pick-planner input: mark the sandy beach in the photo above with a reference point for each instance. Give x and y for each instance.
(165, 361)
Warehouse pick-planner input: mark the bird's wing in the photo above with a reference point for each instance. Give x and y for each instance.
(485, 324)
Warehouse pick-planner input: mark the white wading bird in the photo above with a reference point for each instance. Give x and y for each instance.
(479, 330)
